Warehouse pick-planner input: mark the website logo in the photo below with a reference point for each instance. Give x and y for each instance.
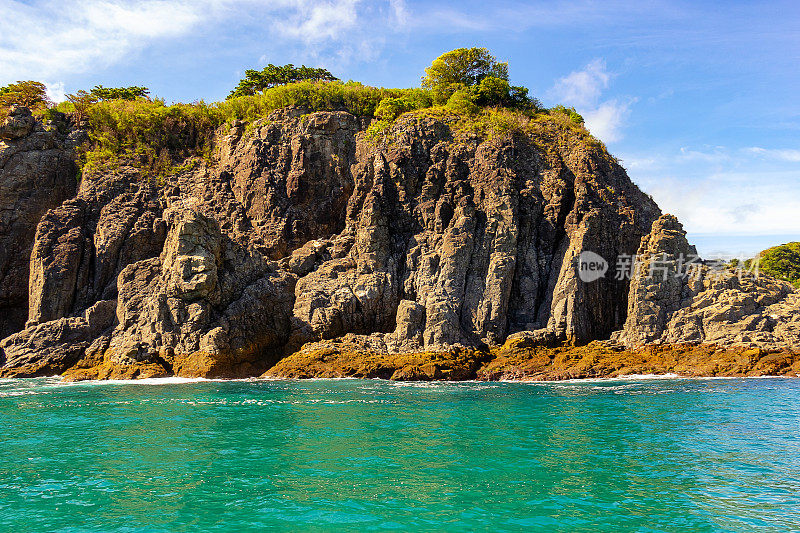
(591, 267)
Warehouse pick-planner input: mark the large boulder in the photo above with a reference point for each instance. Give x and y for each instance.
(676, 298)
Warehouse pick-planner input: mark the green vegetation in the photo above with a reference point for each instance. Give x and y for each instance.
(467, 79)
(31, 94)
(119, 93)
(256, 81)
(570, 112)
(468, 88)
(147, 134)
(782, 262)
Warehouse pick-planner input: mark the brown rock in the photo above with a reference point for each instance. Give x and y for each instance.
(709, 305)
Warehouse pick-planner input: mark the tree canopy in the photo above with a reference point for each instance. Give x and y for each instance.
(119, 93)
(463, 67)
(256, 81)
(467, 79)
(31, 94)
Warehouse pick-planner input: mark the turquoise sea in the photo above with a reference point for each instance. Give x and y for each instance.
(625, 455)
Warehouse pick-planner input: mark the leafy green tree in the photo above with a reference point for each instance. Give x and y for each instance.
(119, 93)
(463, 101)
(459, 68)
(255, 81)
(783, 262)
(81, 101)
(31, 94)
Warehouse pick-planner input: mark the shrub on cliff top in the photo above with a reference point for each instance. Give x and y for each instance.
(467, 84)
(256, 81)
(782, 261)
(357, 98)
(147, 134)
(570, 112)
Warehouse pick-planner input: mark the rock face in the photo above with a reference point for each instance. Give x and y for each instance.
(37, 173)
(303, 230)
(306, 235)
(675, 300)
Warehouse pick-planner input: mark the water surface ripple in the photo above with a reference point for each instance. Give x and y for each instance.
(630, 455)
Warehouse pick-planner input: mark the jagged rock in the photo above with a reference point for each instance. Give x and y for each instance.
(304, 230)
(37, 173)
(205, 307)
(19, 123)
(53, 347)
(676, 300)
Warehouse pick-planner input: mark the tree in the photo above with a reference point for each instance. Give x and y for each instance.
(119, 93)
(81, 101)
(256, 81)
(31, 94)
(460, 68)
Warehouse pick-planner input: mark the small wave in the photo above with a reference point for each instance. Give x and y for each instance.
(626, 377)
(151, 381)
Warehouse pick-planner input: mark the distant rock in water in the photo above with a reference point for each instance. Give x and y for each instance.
(305, 233)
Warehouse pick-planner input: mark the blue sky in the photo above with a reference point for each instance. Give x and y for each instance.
(698, 99)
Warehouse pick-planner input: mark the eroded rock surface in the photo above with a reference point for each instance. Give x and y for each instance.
(303, 233)
(673, 300)
(37, 173)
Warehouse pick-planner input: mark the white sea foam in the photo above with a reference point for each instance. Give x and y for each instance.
(151, 381)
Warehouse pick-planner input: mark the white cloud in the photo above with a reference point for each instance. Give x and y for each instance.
(319, 21)
(47, 40)
(50, 39)
(56, 91)
(789, 155)
(606, 121)
(721, 191)
(582, 89)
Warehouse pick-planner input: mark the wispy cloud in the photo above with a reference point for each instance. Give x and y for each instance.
(608, 119)
(318, 21)
(47, 40)
(582, 89)
(778, 154)
(56, 91)
(723, 191)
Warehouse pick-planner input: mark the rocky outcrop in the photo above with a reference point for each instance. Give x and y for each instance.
(304, 230)
(305, 236)
(53, 347)
(37, 173)
(674, 298)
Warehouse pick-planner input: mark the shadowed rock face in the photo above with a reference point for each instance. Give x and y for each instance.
(303, 230)
(36, 174)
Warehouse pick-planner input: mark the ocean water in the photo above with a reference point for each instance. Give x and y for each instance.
(364, 455)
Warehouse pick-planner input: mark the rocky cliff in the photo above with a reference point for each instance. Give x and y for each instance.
(302, 231)
(37, 173)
